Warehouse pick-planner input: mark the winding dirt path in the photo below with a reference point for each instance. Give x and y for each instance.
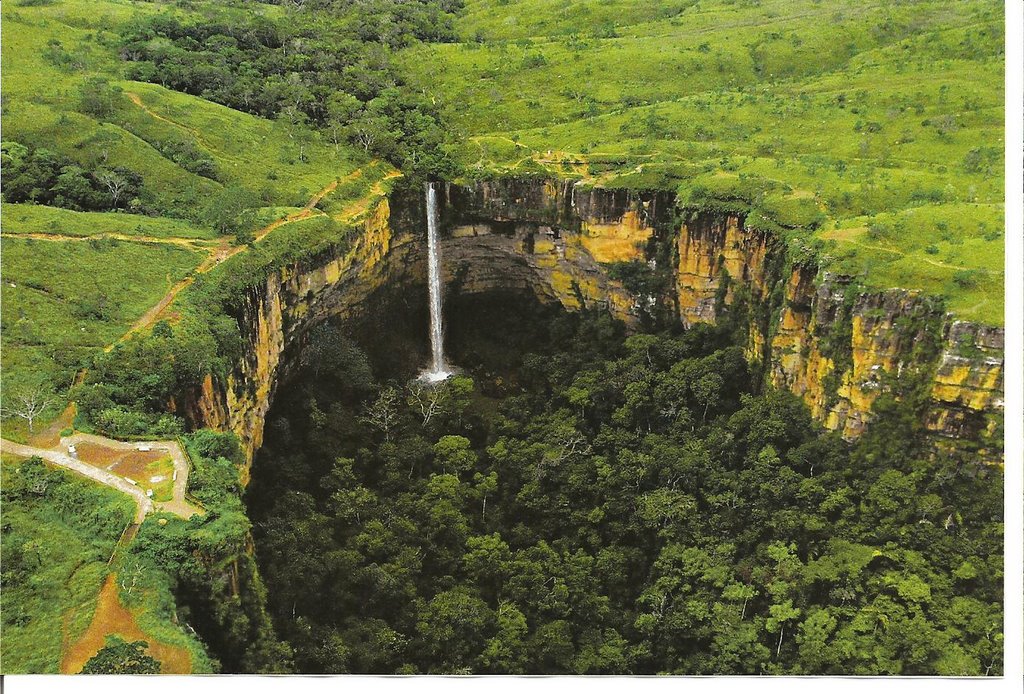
(218, 256)
(112, 618)
(225, 252)
(356, 208)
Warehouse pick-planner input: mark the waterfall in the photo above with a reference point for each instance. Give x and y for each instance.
(438, 368)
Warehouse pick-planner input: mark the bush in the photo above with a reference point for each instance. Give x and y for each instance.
(97, 97)
(965, 279)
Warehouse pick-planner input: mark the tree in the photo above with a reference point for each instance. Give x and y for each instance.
(452, 627)
(707, 390)
(28, 402)
(229, 209)
(505, 652)
(74, 190)
(779, 615)
(813, 641)
(382, 413)
(97, 97)
(341, 110)
(114, 182)
(454, 454)
(119, 657)
(374, 130)
(429, 399)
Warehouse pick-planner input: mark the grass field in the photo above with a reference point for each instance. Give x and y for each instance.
(42, 219)
(63, 300)
(41, 82)
(59, 531)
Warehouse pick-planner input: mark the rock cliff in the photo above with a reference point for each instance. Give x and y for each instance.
(836, 346)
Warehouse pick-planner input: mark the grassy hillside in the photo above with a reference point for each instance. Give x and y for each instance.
(65, 299)
(55, 221)
(55, 559)
(51, 50)
(889, 122)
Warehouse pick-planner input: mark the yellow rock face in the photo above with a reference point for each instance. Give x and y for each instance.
(564, 269)
(971, 385)
(624, 241)
(288, 297)
(707, 249)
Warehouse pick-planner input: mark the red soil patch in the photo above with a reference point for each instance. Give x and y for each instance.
(124, 462)
(50, 436)
(114, 619)
(133, 465)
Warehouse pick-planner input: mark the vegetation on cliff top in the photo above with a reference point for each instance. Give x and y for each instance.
(896, 110)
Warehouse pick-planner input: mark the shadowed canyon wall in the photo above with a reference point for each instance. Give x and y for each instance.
(820, 336)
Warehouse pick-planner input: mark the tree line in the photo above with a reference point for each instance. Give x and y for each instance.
(37, 175)
(322, 64)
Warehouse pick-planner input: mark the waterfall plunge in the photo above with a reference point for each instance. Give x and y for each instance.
(439, 370)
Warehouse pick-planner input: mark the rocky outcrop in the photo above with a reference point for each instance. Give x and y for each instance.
(717, 256)
(818, 335)
(968, 383)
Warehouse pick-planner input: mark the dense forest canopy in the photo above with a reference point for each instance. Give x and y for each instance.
(614, 505)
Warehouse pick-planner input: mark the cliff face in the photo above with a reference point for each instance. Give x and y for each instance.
(534, 238)
(717, 256)
(276, 319)
(835, 347)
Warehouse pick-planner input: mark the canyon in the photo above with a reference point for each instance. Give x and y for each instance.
(832, 342)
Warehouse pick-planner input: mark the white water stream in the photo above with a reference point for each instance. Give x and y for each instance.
(438, 370)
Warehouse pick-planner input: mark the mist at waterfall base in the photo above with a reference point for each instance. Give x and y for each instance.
(439, 369)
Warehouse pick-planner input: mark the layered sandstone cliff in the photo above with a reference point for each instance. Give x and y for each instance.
(815, 334)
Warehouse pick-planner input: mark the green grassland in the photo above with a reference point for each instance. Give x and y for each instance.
(43, 219)
(63, 300)
(42, 78)
(59, 532)
(890, 120)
